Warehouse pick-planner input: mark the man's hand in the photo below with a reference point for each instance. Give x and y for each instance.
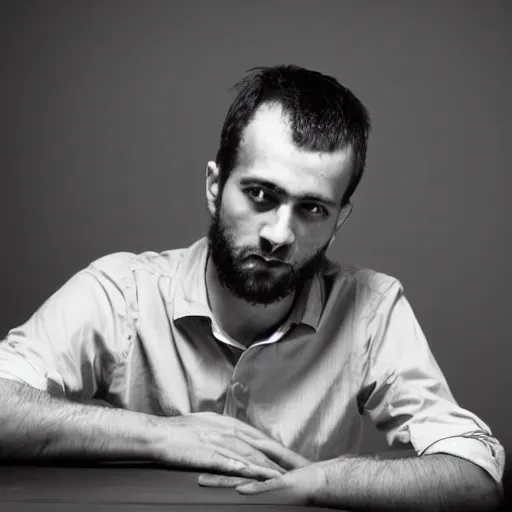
(274, 450)
(297, 487)
(221, 444)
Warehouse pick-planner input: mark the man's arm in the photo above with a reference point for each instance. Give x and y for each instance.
(429, 483)
(34, 424)
(37, 426)
(407, 397)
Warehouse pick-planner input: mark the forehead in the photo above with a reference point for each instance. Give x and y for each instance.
(267, 151)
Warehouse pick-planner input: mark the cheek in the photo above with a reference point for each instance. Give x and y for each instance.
(314, 236)
(237, 219)
(309, 240)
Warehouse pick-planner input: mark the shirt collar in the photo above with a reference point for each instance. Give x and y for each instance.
(191, 299)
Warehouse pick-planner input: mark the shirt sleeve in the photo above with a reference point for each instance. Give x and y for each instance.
(409, 398)
(72, 341)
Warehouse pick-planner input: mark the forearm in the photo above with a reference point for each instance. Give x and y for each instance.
(34, 424)
(429, 483)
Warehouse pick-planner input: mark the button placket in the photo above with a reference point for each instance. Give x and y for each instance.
(237, 397)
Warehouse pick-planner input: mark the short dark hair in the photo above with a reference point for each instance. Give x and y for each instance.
(324, 115)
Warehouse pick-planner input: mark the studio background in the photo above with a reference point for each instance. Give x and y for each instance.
(111, 109)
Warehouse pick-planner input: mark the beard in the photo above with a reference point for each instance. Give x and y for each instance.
(261, 286)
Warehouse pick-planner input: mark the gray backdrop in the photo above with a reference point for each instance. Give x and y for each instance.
(110, 110)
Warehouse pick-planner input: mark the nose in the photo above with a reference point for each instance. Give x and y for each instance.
(277, 230)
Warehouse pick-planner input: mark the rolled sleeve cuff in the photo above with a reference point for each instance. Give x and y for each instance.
(14, 367)
(30, 378)
(484, 451)
(21, 371)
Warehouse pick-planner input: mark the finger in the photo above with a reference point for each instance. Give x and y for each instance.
(261, 487)
(255, 455)
(257, 472)
(282, 455)
(243, 451)
(225, 461)
(264, 470)
(282, 494)
(209, 480)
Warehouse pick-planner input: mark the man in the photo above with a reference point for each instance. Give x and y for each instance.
(251, 355)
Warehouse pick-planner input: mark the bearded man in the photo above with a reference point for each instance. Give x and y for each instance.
(250, 354)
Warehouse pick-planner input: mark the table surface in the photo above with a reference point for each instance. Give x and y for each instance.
(122, 487)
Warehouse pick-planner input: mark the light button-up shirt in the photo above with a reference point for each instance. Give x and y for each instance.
(136, 330)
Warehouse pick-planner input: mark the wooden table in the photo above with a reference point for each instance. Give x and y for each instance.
(122, 487)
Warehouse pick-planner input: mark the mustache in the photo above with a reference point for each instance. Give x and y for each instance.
(250, 253)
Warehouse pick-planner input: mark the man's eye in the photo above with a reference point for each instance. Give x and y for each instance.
(314, 209)
(258, 195)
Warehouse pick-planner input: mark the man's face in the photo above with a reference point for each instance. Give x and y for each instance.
(277, 212)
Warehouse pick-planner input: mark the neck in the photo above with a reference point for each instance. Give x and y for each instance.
(243, 321)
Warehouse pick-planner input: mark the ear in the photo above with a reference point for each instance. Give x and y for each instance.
(344, 214)
(212, 186)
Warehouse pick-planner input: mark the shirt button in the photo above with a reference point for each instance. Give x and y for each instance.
(240, 394)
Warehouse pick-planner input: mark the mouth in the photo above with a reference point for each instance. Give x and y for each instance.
(269, 262)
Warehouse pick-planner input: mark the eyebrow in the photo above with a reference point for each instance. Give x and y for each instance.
(282, 192)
